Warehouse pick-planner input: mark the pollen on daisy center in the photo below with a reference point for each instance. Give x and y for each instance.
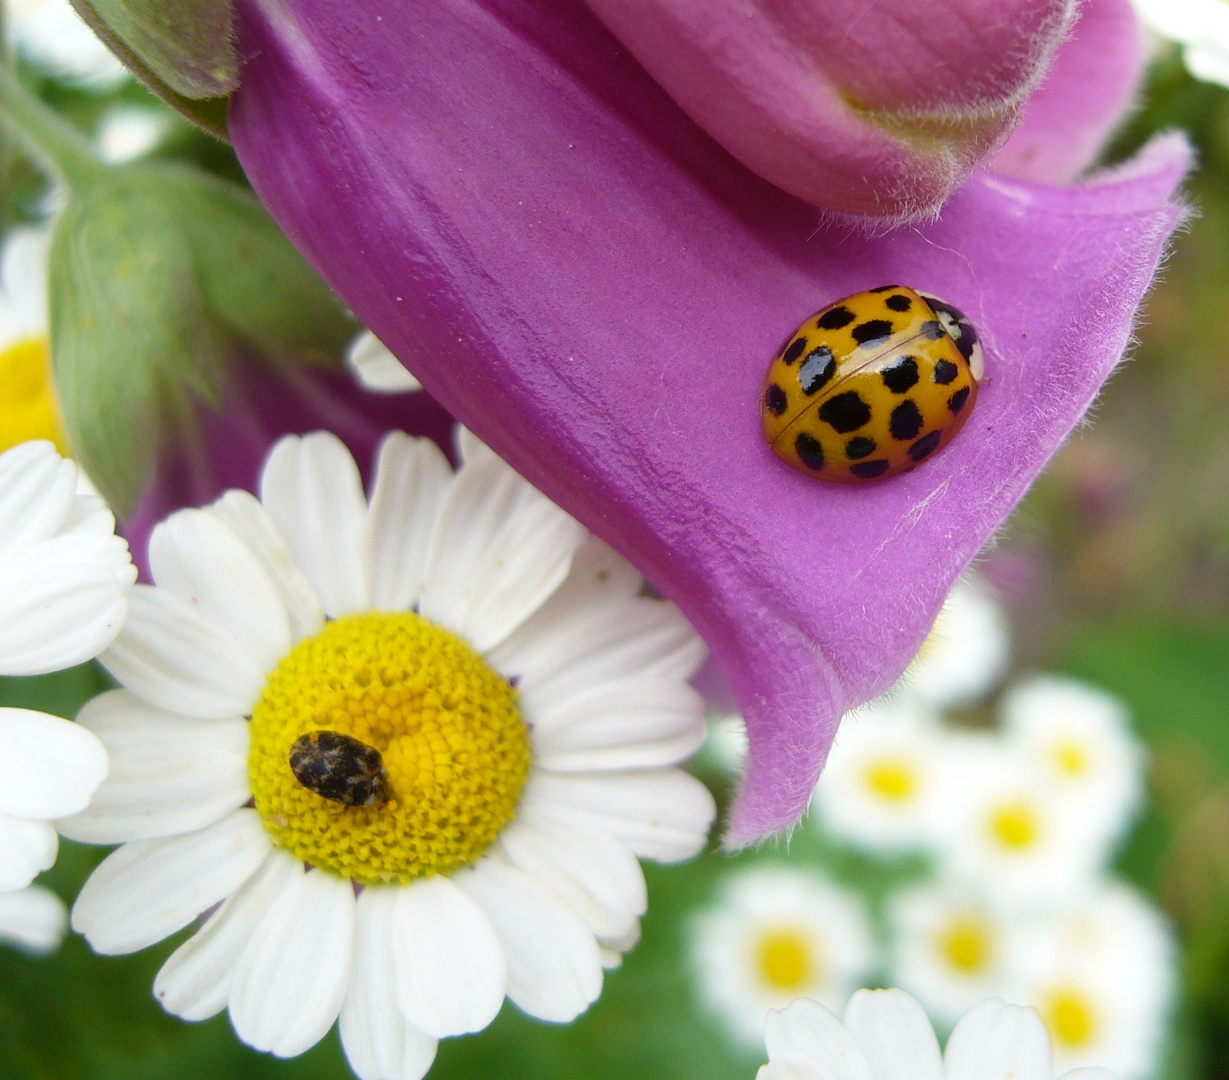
(1015, 825)
(785, 959)
(892, 779)
(404, 696)
(965, 943)
(28, 408)
(1070, 1017)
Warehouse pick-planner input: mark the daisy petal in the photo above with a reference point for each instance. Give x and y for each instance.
(1089, 1072)
(596, 875)
(169, 775)
(172, 657)
(554, 969)
(33, 918)
(148, 889)
(251, 522)
(50, 767)
(377, 369)
(312, 490)
(661, 814)
(379, 1044)
(412, 477)
(194, 983)
(795, 1070)
(632, 723)
(26, 849)
(291, 978)
(996, 1041)
(37, 491)
(451, 970)
(197, 558)
(895, 1035)
(808, 1031)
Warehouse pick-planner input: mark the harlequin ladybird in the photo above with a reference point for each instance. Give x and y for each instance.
(341, 768)
(872, 385)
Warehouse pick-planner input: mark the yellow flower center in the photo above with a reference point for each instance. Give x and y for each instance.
(400, 695)
(966, 943)
(786, 959)
(1015, 826)
(1071, 758)
(1070, 1017)
(28, 408)
(892, 779)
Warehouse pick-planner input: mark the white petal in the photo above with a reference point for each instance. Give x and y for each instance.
(589, 870)
(632, 723)
(470, 449)
(33, 918)
(661, 814)
(49, 766)
(26, 849)
(794, 1070)
(194, 983)
(895, 1035)
(169, 774)
(451, 971)
(499, 550)
(37, 489)
(554, 968)
(146, 890)
(195, 556)
(57, 608)
(808, 1031)
(996, 1041)
(1089, 1072)
(376, 368)
(379, 1044)
(170, 656)
(312, 490)
(251, 522)
(412, 477)
(291, 978)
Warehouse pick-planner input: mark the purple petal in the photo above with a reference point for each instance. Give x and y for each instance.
(1089, 88)
(879, 109)
(594, 286)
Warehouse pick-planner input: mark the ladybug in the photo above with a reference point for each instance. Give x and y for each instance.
(872, 385)
(341, 768)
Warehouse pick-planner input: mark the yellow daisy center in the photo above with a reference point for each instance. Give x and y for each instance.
(891, 779)
(28, 408)
(1015, 825)
(1070, 1017)
(966, 944)
(786, 959)
(1071, 758)
(409, 750)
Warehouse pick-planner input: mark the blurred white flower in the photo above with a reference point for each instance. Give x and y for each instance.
(34, 919)
(50, 35)
(1201, 27)
(1101, 973)
(886, 1036)
(775, 934)
(128, 132)
(884, 787)
(726, 746)
(949, 948)
(966, 652)
(1080, 739)
(376, 369)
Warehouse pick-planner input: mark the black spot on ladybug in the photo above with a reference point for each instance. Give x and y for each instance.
(905, 422)
(816, 370)
(859, 447)
(901, 375)
(809, 451)
(795, 350)
(884, 288)
(846, 412)
(775, 399)
(341, 768)
(871, 330)
(835, 318)
(925, 445)
(945, 372)
(957, 400)
(868, 470)
(899, 302)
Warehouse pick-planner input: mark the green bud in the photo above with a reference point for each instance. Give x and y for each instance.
(160, 277)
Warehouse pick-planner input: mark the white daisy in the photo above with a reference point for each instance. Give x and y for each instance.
(375, 367)
(1080, 739)
(776, 934)
(1201, 27)
(1101, 973)
(33, 919)
(885, 786)
(885, 1035)
(448, 695)
(950, 948)
(51, 36)
(966, 652)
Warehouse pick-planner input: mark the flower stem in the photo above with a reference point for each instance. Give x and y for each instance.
(51, 139)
